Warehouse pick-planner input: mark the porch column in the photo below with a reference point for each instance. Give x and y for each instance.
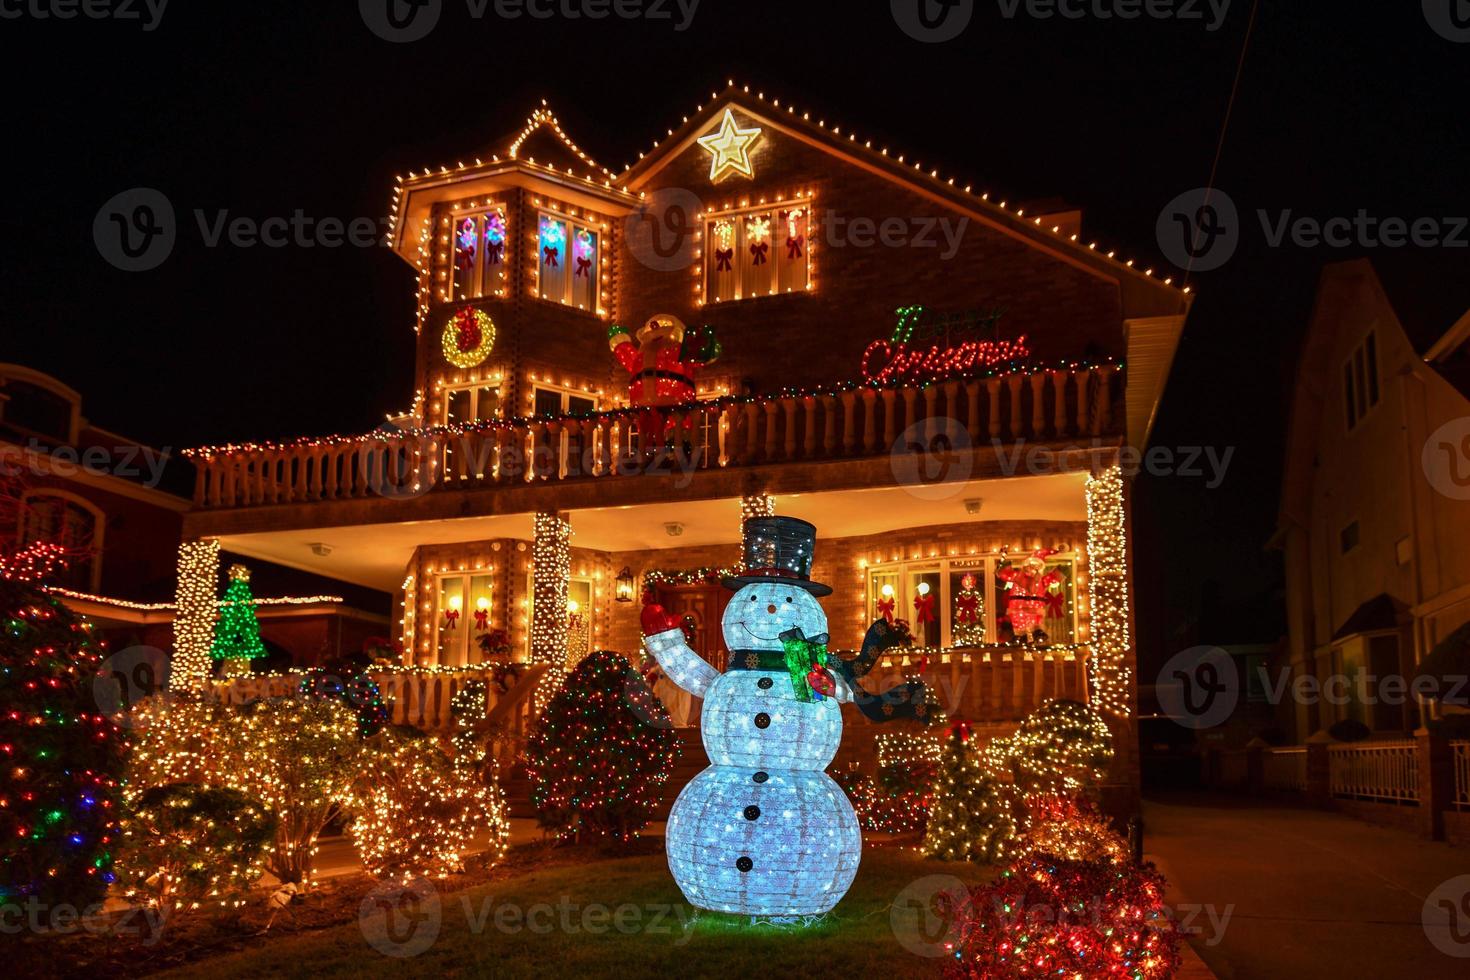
(198, 578)
(1107, 585)
(551, 568)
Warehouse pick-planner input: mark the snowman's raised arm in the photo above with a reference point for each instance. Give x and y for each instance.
(679, 661)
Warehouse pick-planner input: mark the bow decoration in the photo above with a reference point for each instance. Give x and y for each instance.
(758, 252)
(885, 609)
(494, 252)
(482, 620)
(451, 619)
(793, 247)
(723, 259)
(583, 264)
(551, 252)
(806, 662)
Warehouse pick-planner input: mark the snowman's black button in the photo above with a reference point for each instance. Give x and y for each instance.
(760, 777)
(762, 720)
(752, 813)
(764, 683)
(744, 864)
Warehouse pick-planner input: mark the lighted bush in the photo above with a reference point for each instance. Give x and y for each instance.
(416, 811)
(180, 738)
(60, 758)
(188, 846)
(601, 752)
(1061, 747)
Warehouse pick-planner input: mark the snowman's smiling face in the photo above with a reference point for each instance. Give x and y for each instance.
(758, 615)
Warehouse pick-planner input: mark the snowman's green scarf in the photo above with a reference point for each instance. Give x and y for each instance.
(802, 657)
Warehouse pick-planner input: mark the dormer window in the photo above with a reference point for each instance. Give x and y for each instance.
(568, 264)
(761, 252)
(479, 254)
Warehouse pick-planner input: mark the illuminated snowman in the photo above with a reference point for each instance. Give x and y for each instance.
(764, 831)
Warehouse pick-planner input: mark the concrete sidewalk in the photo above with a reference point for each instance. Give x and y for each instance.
(1303, 894)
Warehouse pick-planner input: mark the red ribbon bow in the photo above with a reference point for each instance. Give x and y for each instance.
(924, 609)
(723, 259)
(583, 264)
(451, 618)
(482, 619)
(885, 609)
(494, 251)
(464, 257)
(758, 252)
(551, 252)
(793, 247)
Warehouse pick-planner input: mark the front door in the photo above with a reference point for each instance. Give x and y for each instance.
(701, 608)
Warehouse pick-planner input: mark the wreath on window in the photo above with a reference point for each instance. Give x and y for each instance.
(468, 337)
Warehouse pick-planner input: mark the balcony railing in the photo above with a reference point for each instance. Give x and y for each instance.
(1285, 769)
(1052, 405)
(1382, 771)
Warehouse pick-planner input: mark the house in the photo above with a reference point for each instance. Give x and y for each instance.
(1375, 501)
(941, 380)
(117, 508)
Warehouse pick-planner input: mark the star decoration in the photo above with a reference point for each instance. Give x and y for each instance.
(729, 149)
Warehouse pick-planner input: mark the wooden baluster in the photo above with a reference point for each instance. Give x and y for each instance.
(1081, 379)
(829, 427)
(1038, 406)
(849, 422)
(1059, 403)
(788, 409)
(1014, 384)
(992, 387)
(870, 420)
(809, 409)
(971, 392)
(952, 402)
(890, 416)
(1104, 397)
(773, 430)
(932, 422)
(587, 452)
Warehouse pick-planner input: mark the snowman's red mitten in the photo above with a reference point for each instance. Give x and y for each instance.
(657, 619)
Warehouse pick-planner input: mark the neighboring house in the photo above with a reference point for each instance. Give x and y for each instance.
(110, 500)
(1375, 502)
(522, 488)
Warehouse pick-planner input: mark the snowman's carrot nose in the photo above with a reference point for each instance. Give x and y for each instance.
(771, 608)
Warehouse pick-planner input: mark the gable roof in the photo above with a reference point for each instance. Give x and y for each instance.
(1145, 293)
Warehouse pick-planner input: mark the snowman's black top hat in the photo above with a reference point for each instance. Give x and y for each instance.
(779, 549)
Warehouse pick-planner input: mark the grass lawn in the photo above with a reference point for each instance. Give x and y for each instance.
(566, 921)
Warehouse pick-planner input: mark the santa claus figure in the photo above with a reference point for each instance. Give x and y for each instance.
(663, 363)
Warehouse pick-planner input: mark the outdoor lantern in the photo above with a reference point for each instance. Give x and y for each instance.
(625, 585)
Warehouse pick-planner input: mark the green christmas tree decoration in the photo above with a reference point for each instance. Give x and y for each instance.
(972, 817)
(60, 758)
(237, 634)
(601, 753)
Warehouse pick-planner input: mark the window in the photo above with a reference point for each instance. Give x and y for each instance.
(36, 410)
(1348, 538)
(462, 615)
(479, 254)
(71, 524)
(558, 402)
(568, 266)
(471, 403)
(1360, 381)
(960, 601)
(757, 253)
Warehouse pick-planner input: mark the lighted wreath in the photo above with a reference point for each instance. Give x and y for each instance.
(468, 337)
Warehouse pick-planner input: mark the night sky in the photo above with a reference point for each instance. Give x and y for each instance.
(264, 108)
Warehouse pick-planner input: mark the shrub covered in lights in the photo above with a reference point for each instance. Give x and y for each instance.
(299, 756)
(973, 817)
(1061, 747)
(61, 758)
(1047, 916)
(180, 738)
(415, 812)
(353, 688)
(1068, 827)
(601, 752)
(188, 846)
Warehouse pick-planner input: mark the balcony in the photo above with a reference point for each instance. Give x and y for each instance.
(852, 432)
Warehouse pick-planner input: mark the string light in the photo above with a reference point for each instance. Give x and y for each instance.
(1111, 674)
(198, 573)
(551, 564)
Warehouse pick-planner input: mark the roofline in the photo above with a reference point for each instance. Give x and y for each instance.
(1452, 340)
(1068, 248)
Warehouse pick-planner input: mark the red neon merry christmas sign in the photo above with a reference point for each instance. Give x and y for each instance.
(886, 361)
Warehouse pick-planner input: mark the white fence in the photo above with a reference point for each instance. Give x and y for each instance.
(1461, 752)
(1383, 771)
(1285, 769)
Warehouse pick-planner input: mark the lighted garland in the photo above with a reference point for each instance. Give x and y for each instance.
(61, 758)
(626, 416)
(688, 576)
(189, 846)
(601, 753)
(1111, 675)
(468, 337)
(417, 813)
